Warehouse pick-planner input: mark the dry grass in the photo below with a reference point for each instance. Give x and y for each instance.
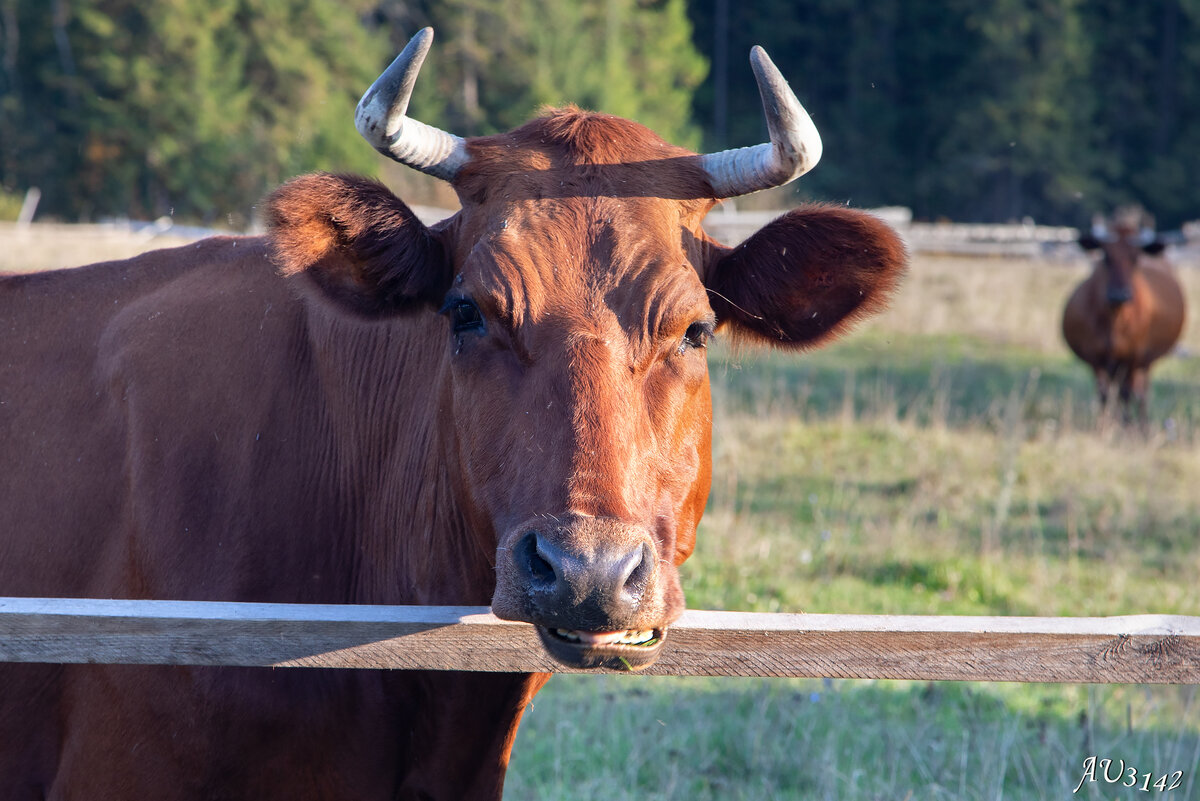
(887, 516)
(1008, 301)
(48, 246)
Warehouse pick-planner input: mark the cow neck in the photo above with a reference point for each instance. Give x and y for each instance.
(379, 388)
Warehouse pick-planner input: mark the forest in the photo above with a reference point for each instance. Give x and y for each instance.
(1050, 110)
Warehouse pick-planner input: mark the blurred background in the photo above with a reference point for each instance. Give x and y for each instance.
(946, 458)
(1049, 110)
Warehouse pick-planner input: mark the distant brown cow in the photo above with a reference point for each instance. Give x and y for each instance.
(1124, 316)
(511, 407)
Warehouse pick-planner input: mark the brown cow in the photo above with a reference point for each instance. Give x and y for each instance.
(511, 407)
(1124, 316)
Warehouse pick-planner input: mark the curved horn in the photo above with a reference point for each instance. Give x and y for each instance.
(794, 149)
(381, 120)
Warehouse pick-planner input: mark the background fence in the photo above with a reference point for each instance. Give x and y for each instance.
(727, 223)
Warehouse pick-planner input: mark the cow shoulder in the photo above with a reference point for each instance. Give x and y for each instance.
(805, 277)
(204, 345)
(360, 244)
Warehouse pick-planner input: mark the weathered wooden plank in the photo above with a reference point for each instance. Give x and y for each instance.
(1130, 649)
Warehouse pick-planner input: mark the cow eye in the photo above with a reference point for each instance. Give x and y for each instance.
(696, 336)
(464, 315)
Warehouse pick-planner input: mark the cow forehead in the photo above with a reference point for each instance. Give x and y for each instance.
(1120, 253)
(596, 264)
(574, 154)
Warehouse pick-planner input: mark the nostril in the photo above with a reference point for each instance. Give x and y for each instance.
(541, 570)
(640, 569)
(530, 558)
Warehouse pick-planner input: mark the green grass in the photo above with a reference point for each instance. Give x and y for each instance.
(618, 737)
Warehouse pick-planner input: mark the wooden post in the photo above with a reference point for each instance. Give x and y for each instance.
(29, 207)
(1131, 649)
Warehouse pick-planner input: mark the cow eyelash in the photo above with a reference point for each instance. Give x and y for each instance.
(696, 336)
(464, 315)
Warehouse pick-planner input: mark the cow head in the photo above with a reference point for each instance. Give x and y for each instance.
(1119, 255)
(577, 292)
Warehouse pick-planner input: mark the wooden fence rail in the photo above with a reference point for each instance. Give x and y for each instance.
(1131, 649)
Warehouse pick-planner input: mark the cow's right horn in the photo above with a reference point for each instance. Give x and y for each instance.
(382, 121)
(794, 149)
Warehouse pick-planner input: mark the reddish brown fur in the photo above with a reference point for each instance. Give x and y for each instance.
(361, 236)
(191, 424)
(1120, 341)
(827, 266)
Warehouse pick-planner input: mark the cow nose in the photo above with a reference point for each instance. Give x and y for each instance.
(1119, 294)
(606, 584)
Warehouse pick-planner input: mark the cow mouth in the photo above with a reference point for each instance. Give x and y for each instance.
(630, 649)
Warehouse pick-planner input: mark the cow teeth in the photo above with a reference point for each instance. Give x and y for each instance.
(627, 637)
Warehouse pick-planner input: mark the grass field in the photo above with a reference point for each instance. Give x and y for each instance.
(946, 458)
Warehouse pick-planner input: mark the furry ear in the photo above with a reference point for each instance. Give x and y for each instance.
(807, 276)
(358, 242)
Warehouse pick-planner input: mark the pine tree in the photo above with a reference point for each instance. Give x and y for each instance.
(495, 62)
(186, 107)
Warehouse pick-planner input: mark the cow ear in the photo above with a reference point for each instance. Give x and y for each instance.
(807, 276)
(1089, 242)
(361, 245)
(1155, 247)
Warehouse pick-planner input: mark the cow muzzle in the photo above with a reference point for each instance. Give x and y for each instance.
(591, 586)
(1118, 295)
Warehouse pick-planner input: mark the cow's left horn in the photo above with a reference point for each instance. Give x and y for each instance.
(794, 149)
(381, 120)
